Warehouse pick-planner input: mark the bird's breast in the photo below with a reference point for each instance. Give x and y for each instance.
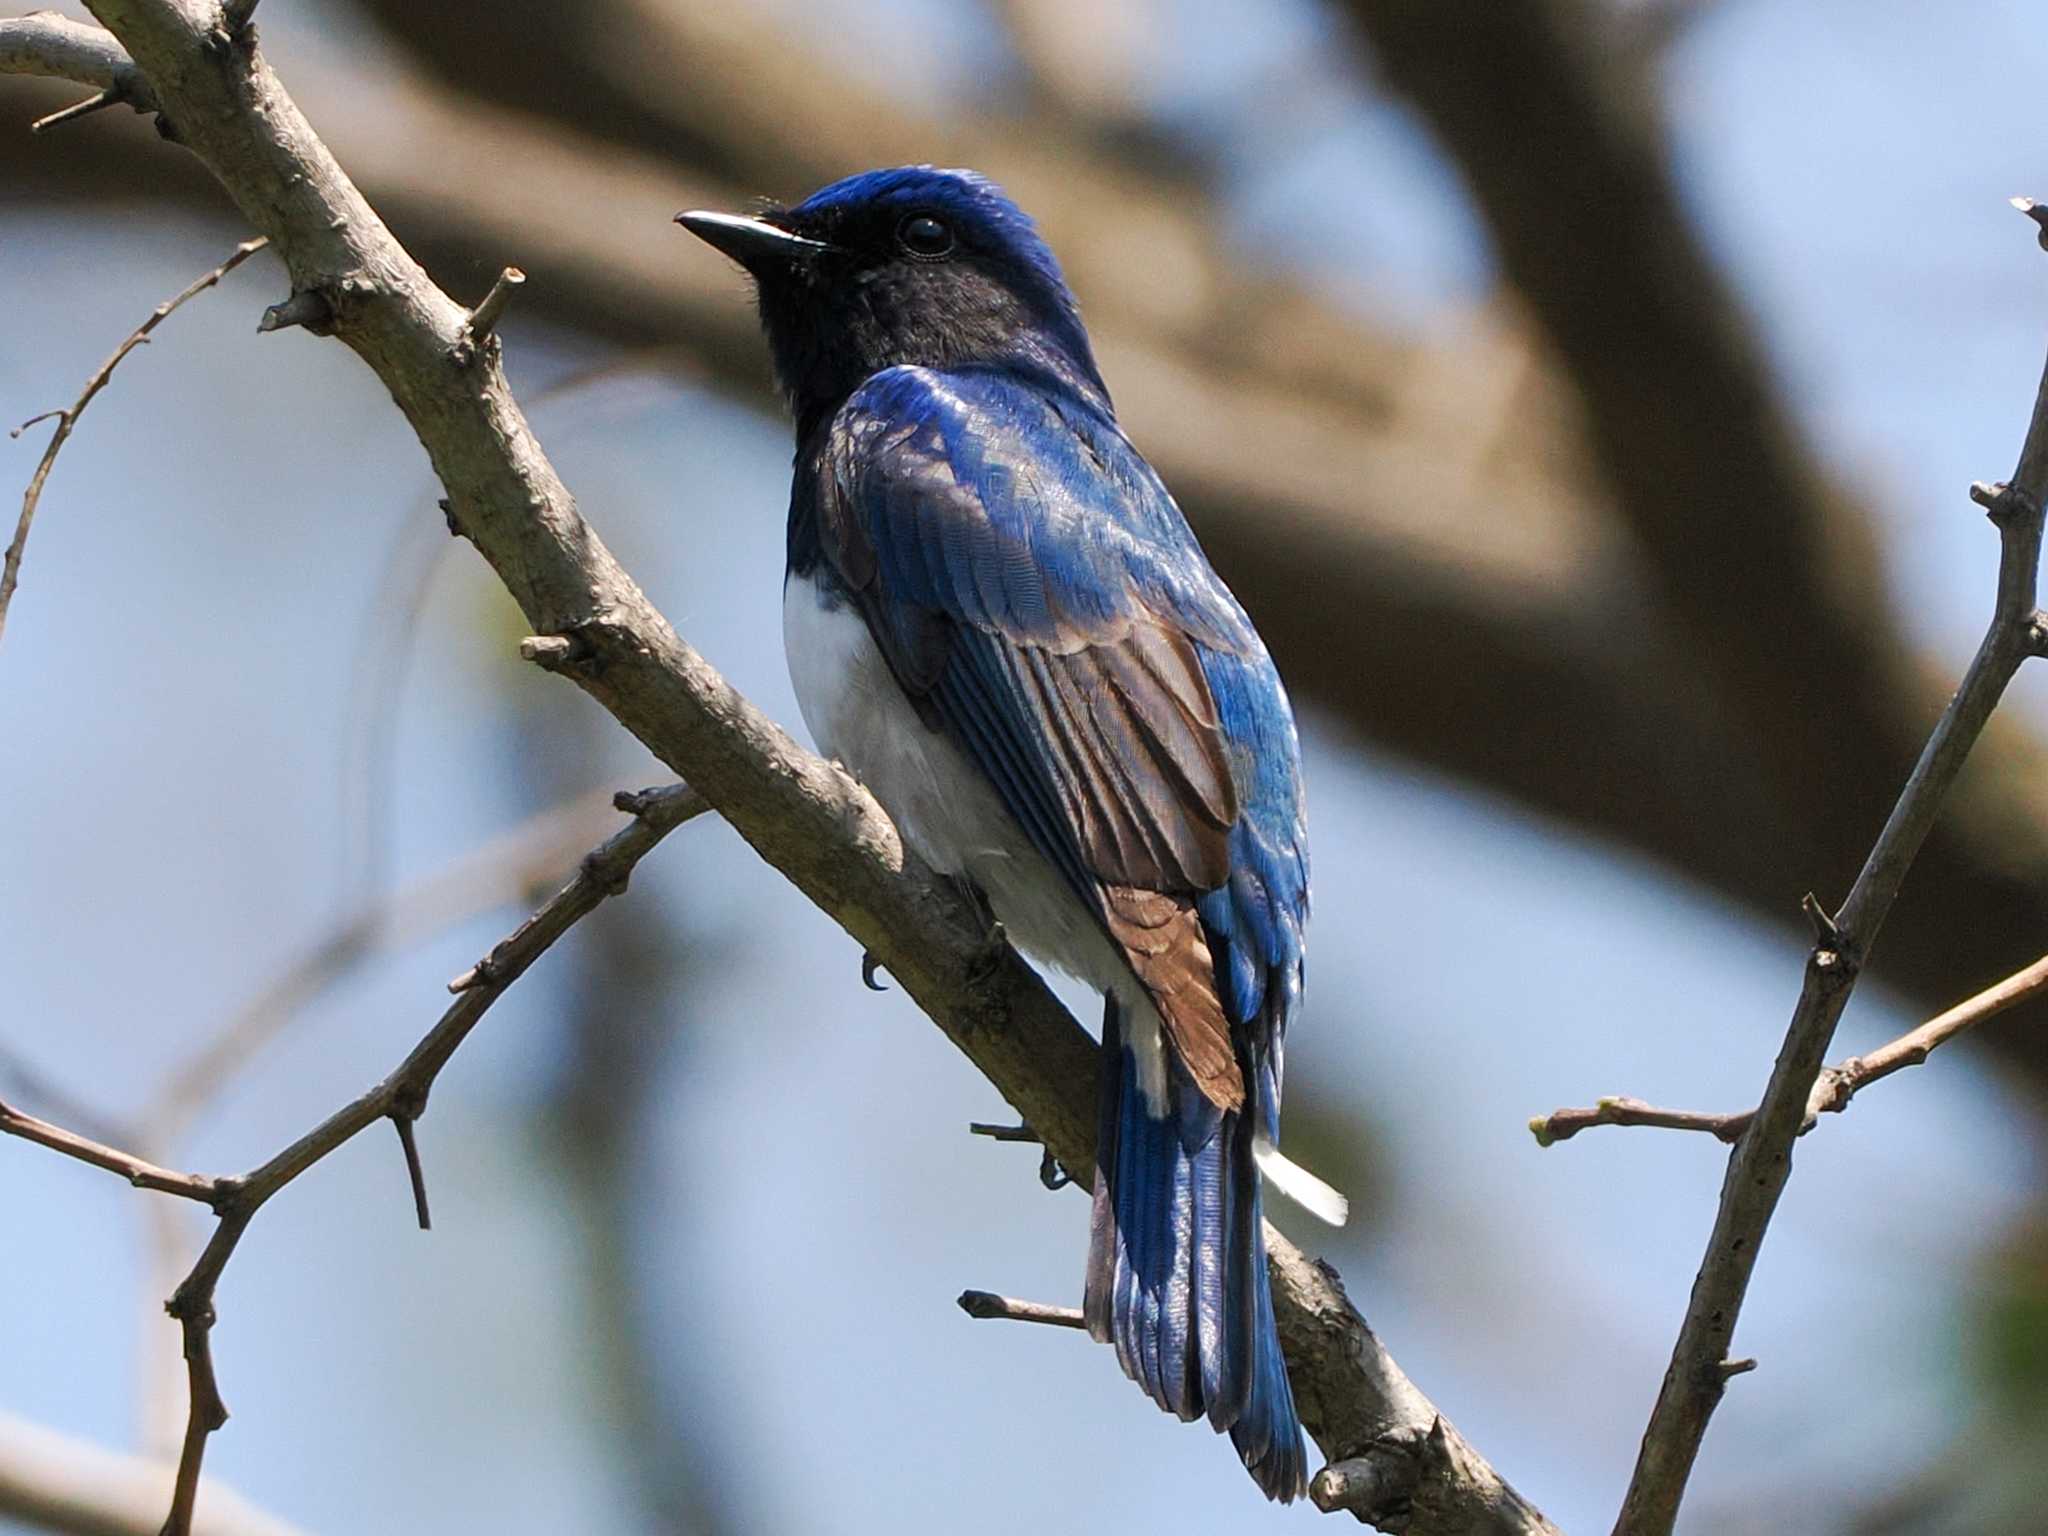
(945, 807)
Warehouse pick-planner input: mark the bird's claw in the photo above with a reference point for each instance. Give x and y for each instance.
(868, 966)
(985, 965)
(1051, 1174)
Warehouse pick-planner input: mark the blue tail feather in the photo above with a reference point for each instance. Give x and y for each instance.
(1177, 1267)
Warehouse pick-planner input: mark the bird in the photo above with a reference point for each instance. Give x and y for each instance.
(998, 619)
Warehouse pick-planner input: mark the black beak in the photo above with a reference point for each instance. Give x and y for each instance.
(753, 243)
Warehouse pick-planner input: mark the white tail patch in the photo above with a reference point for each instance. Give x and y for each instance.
(1299, 1185)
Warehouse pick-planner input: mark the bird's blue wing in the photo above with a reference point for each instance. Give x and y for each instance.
(1040, 597)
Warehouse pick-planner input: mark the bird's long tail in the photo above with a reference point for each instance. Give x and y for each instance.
(1177, 1265)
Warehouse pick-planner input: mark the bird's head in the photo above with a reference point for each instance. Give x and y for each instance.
(933, 268)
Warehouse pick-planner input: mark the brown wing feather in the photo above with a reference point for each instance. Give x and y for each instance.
(1139, 758)
(1162, 937)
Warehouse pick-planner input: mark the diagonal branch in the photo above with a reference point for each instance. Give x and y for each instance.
(805, 816)
(1454, 504)
(401, 1097)
(1762, 1161)
(67, 417)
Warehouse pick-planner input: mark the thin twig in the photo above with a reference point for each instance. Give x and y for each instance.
(987, 1304)
(1838, 1085)
(1564, 1124)
(805, 816)
(139, 1171)
(18, 1079)
(1835, 1087)
(402, 1096)
(67, 418)
(99, 101)
(1004, 1132)
(408, 1143)
(1762, 1160)
(603, 873)
(484, 318)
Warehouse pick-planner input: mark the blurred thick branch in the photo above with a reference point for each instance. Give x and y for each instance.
(1448, 490)
(57, 1483)
(1760, 568)
(804, 815)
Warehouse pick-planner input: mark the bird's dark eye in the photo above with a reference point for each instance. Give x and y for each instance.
(924, 236)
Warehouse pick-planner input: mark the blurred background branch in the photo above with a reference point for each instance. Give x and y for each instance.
(1628, 547)
(56, 1483)
(806, 817)
(1575, 535)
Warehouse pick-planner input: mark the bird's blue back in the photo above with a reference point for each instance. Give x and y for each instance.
(963, 487)
(1001, 504)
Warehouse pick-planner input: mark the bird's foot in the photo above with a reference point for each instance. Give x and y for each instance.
(1051, 1174)
(868, 966)
(995, 947)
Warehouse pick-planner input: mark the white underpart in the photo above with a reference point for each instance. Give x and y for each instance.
(948, 811)
(1320, 1200)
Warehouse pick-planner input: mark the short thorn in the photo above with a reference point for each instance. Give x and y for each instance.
(868, 966)
(552, 652)
(482, 974)
(235, 15)
(1729, 1368)
(486, 315)
(94, 103)
(986, 1304)
(1374, 1485)
(448, 515)
(1003, 1132)
(413, 1170)
(305, 308)
(1825, 931)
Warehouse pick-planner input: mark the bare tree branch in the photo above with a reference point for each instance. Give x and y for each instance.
(1755, 554)
(48, 44)
(805, 816)
(401, 1097)
(1832, 1090)
(67, 417)
(1483, 556)
(138, 1171)
(1762, 1160)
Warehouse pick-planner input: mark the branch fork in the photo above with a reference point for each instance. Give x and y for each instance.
(1761, 1162)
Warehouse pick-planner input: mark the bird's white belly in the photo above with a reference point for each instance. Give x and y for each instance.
(941, 802)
